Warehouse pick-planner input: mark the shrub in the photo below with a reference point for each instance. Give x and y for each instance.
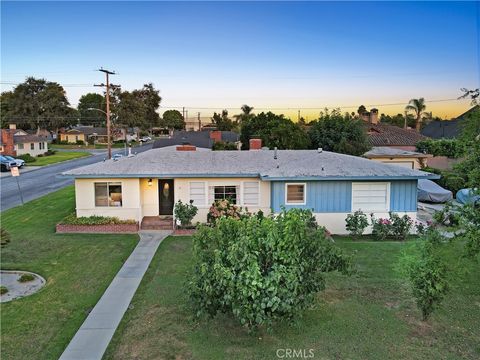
(4, 237)
(80, 142)
(40, 155)
(448, 216)
(185, 212)
(451, 148)
(469, 218)
(381, 228)
(3, 290)
(223, 208)
(400, 226)
(260, 271)
(50, 152)
(27, 158)
(72, 219)
(452, 182)
(26, 278)
(221, 145)
(356, 223)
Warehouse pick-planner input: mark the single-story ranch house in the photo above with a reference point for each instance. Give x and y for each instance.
(332, 185)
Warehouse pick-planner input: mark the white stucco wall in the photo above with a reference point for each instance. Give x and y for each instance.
(149, 197)
(130, 209)
(27, 149)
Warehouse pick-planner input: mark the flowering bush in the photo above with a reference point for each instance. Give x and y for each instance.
(223, 208)
(396, 226)
(381, 228)
(356, 223)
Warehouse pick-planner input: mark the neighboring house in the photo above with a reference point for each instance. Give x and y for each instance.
(16, 142)
(90, 133)
(447, 129)
(43, 133)
(200, 139)
(393, 136)
(332, 185)
(394, 156)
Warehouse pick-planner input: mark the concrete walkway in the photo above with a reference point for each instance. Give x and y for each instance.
(93, 337)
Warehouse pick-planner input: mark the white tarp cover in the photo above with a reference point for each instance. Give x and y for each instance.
(430, 191)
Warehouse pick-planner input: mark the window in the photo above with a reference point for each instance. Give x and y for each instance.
(197, 193)
(20, 146)
(229, 192)
(41, 145)
(251, 192)
(108, 194)
(295, 194)
(32, 146)
(372, 196)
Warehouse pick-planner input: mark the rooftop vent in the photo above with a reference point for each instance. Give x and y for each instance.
(320, 150)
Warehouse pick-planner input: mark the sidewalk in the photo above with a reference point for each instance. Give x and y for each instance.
(93, 337)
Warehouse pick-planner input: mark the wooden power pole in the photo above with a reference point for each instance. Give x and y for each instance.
(107, 98)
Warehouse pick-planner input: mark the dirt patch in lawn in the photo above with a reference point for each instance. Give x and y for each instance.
(17, 289)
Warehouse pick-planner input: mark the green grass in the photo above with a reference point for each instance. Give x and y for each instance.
(77, 267)
(58, 157)
(370, 315)
(96, 146)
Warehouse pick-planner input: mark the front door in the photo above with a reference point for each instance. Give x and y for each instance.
(165, 197)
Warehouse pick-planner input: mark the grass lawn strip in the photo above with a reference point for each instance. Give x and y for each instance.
(77, 267)
(58, 157)
(370, 315)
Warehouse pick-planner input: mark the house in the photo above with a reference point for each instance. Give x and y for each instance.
(399, 157)
(448, 129)
(200, 139)
(91, 134)
(332, 185)
(16, 142)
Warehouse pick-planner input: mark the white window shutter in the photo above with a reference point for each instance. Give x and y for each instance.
(251, 193)
(197, 193)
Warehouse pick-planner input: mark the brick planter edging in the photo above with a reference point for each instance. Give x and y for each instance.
(97, 229)
(183, 232)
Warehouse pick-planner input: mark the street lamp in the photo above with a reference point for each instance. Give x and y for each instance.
(109, 144)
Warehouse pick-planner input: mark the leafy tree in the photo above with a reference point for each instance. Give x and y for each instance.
(418, 107)
(92, 101)
(473, 94)
(470, 127)
(223, 122)
(246, 114)
(151, 100)
(130, 111)
(38, 103)
(275, 131)
(361, 110)
(261, 269)
(398, 120)
(172, 119)
(339, 133)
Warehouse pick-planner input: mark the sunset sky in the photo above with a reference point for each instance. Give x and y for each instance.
(280, 56)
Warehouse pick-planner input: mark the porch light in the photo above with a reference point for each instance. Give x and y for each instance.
(150, 182)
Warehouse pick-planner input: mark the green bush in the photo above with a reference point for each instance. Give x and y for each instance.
(3, 290)
(26, 278)
(4, 237)
(72, 219)
(50, 152)
(261, 270)
(221, 145)
(452, 182)
(80, 142)
(451, 148)
(396, 227)
(448, 216)
(356, 223)
(27, 158)
(185, 213)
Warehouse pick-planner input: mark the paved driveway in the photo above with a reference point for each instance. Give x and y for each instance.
(46, 179)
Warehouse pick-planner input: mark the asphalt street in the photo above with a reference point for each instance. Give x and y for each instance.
(47, 179)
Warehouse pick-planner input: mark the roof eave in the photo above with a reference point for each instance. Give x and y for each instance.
(348, 178)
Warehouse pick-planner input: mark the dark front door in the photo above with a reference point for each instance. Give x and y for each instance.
(165, 197)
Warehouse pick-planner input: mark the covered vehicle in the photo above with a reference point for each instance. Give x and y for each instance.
(467, 196)
(430, 191)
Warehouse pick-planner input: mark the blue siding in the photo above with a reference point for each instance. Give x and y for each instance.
(336, 196)
(322, 196)
(403, 195)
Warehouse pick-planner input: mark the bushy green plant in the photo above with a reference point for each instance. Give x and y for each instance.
(221, 145)
(381, 228)
(4, 237)
(27, 158)
(448, 216)
(469, 218)
(451, 148)
(50, 152)
(3, 290)
(224, 208)
(26, 278)
(261, 270)
(72, 219)
(356, 223)
(400, 226)
(80, 142)
(185, 212)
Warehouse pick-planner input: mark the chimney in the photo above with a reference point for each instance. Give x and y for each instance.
(374, 116)
(255, 144)
(8, 146)
(216, 135)
(12, 126)
(186, 147)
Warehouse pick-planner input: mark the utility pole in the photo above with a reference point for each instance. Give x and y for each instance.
(299, 115)
(199, 122)
(183, 114)
(186, 119)
(405, 122)
(107, 96)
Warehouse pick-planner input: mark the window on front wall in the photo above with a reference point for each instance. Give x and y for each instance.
(32, 146)
(108, 194)
(370, 196)
(20, 146)
(225, 192)
(295, 194)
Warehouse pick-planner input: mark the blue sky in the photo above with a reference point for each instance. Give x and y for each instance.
(268, 55)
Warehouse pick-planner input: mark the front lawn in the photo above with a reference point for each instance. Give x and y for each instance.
(58, 157)
(78, 268)
(370, 315)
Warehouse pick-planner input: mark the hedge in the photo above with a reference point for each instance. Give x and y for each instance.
(72, 219)
(451, 148)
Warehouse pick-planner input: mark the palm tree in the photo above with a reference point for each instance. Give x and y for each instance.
(418, 107)
(246, 113)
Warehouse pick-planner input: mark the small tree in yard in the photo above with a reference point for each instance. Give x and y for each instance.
(261, 269)
(185, 213)
(356, 223)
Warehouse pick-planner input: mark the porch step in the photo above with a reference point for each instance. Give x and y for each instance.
(157, 223)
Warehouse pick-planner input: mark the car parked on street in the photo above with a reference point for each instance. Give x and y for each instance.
(5, 164)
(19, 162)
(145, 139)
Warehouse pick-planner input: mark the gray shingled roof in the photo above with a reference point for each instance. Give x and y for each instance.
(382, 151)
(290, 164)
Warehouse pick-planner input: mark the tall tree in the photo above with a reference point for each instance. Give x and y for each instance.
(173, 119)
(223, 122)
(339, 133)
(130, 111)
(361, 109)
(92, 117)
(151, 100)
(247, 113)
(418, 107)
(38, 103)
